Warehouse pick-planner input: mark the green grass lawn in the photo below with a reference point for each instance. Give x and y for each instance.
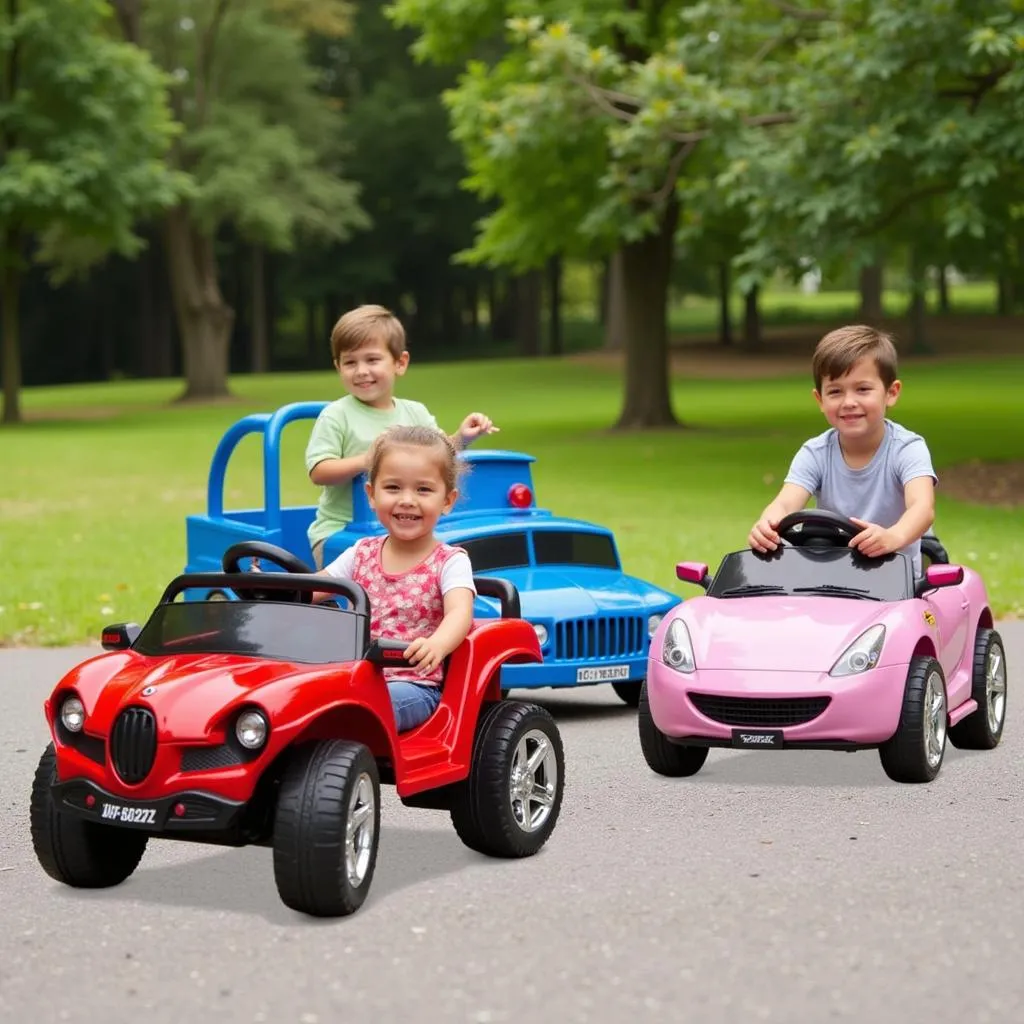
(96, 486)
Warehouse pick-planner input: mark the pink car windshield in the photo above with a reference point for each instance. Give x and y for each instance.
(823, 572)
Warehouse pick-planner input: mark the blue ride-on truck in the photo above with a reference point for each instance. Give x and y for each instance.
(593, 620)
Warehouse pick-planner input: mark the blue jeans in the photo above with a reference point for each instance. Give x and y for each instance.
(413, 702)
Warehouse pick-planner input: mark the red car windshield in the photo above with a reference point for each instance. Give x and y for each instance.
(311, 634)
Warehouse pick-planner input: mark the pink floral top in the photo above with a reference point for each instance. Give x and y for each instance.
(406, 605)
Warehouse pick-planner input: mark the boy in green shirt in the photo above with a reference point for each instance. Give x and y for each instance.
(368, 350)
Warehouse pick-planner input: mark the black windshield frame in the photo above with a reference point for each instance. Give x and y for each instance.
(308, 634)
(799, 570)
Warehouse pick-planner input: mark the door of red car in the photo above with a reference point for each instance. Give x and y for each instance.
(949, 606)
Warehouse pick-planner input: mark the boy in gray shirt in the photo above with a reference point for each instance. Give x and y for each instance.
(865, 467)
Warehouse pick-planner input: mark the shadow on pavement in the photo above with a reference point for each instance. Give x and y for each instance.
(241, 881)
(818, 769)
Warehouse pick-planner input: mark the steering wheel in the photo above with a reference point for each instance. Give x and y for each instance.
(818, 528)
(231, 563)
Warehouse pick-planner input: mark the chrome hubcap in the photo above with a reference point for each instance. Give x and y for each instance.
(995, 687)
(534, 781)
(934, 719)
(359, 831)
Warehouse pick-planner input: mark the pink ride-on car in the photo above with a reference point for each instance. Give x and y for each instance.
(816, 646)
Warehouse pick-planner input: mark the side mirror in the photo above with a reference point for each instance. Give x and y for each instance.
(944, 575)
(120, 636)
(694, 572)
(940, 575)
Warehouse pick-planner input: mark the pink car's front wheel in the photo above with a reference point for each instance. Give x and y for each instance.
(916, 750)
(660, 753)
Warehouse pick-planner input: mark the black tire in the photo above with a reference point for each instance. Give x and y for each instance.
(487, 815)
(628, 693)
(904, 757)
(661, 754)
(323, 783)
(977, 731)
(80, 853)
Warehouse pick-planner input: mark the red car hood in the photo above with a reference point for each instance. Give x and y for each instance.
(185, 691)
(783, 634)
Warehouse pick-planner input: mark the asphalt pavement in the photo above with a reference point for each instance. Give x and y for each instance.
(773, 886)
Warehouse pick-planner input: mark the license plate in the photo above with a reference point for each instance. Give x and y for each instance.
(125, 814)
(757, 738)
(602, 674)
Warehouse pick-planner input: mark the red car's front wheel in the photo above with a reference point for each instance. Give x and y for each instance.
(80, 853)
(326, 828)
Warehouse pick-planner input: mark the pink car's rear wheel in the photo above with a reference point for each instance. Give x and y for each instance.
(983, 729)
(661, 754)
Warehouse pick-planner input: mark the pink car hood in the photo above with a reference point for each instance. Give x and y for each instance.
(782, 634)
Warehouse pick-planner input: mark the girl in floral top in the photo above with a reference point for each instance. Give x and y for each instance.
(420, 590)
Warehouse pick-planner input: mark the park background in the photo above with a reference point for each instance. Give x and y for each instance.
(616, 227)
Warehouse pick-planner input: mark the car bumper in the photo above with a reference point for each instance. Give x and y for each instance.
(573, 673)
(189, 811)
(861, 710)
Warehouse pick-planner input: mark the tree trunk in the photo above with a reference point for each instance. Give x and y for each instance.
(602, 291)
(10, 365)
(1004, 294)
(753, 336)
(450, 314)
(615, 333)
(871, 294)
(943, 283)
(204, 318)
(555, 306)
(259, 352)
(527, 313)
(918, 306)
(472, 295)
(724, 294)
(646, 267)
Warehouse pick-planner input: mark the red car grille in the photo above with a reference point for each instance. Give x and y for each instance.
(133, 744)
(776, 712)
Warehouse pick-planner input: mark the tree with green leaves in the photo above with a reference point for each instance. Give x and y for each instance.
(829, 125)
(590, 128)
(910, 134)
(84, 129)
(262, 145)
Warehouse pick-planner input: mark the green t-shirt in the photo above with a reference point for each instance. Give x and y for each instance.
(345, 428)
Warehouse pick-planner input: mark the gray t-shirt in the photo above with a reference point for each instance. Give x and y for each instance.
(873, 493)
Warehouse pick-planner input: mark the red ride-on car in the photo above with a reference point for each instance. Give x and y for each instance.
(267, 721)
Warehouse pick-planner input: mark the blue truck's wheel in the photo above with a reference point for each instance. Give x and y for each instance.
(79, 853)
(628, 693)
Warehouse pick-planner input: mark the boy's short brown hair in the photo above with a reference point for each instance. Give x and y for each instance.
(366, 324)
(843, 347)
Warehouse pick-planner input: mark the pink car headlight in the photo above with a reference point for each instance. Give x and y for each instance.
(862, 654)
(676, 649)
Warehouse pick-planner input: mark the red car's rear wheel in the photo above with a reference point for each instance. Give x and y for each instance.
(510, 803)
